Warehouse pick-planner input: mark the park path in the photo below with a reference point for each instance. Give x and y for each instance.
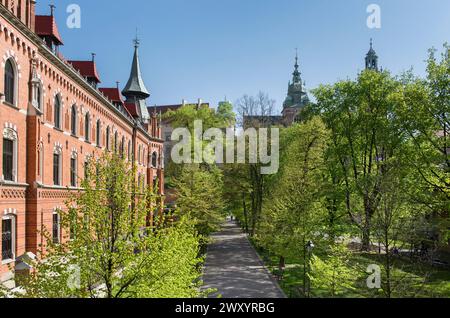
(234, 268)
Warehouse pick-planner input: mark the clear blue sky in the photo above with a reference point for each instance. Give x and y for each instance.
(214, 48)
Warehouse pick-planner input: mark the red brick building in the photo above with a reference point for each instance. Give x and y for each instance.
(53, 118)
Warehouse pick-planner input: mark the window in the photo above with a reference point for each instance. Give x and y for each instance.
(87, 124)
(57, 169)
(57, 112)
(10, 82)
(108, 137)
(98, 133)
(8, 159)
(154, 160)
(38, 97)
(129, 150)
(73, 120)
(8, 238)
(116, 140)
(9, 155)
(56, 227)
(122, 148)
(73, 171)
(139, 154)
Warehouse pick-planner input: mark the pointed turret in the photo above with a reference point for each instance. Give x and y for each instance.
(135, 90)
(296, 94)
(372, 58)
(296, 76)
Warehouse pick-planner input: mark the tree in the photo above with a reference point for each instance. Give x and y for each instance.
(296, 213)
(199, 195)
(425, 117)
(117, 243)
(361, 117)
(334, 273)
(225, 114)
(254, 112)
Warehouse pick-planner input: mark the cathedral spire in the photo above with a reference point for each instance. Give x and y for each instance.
(372, 58)
(296, 79)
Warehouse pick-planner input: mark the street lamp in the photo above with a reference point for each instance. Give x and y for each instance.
(309, 248)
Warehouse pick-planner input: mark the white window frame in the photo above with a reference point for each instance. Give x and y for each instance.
(11, 217)
(11, 134)
(55, 212)
(74, 156)
(74, 130)
(61, 110)
(58, 151)
(16, 81)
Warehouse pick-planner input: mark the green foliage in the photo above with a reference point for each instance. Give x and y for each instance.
(296, 213)
(225, 114)
(334, 273)
(199, 195)
(118, 247)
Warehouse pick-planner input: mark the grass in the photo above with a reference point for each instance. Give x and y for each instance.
(411, 279)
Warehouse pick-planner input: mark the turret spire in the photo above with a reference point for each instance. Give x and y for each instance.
(296, 75)
(135, 90)
(135, 84)
(371, 58)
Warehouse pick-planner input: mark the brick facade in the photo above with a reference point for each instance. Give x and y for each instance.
(43, 78)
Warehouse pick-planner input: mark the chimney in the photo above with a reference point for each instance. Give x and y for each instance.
(32, 15)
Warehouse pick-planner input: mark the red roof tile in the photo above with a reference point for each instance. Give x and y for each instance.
(113, 94)
(86, 69)
(45, 25)
(132, 109)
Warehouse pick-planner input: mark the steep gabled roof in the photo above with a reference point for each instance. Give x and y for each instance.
(113, 94)
(86, 69)
(132, 108)
(45, 25)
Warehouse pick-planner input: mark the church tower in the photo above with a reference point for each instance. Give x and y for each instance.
(372, 59)
(135, 90)
(296, 98)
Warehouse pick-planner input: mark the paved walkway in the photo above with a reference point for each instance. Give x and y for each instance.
(235, 270)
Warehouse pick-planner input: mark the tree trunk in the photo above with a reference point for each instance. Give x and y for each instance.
(245, 213)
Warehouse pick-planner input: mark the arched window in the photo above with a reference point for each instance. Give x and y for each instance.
(122, 148)
(129, 150)
(57, 164)
(98, 133)
(73, 120)
(8, 230)
(108, 138)
(73, 170)
(56, 229)
(139, 154)
(154, 159)
(10, 83)
(10, 155)
(116, 142)
(57, 112)
(87, 125)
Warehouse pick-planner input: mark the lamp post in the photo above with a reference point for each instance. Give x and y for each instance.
(309, 249)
